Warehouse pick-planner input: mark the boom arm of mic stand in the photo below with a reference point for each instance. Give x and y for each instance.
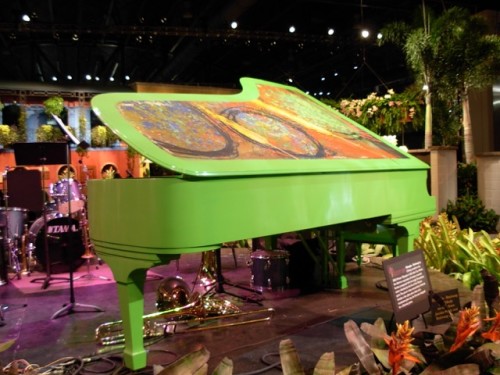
(70, 135)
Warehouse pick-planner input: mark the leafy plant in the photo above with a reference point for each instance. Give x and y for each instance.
(8, 135)
(98, 136)
(386, 114)
(54, 105)
(49, 133)
(467, 179)
(471, 213)
(102, 136)
(469, 346)
(461, 253)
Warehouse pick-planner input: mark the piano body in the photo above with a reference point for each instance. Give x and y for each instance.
(267, 160)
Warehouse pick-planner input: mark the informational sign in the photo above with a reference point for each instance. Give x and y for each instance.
(408, 284)
(443, 304)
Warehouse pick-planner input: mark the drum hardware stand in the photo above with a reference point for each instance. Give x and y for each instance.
(220, 281)
(70, 307)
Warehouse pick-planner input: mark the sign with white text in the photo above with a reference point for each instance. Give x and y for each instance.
(408, 284)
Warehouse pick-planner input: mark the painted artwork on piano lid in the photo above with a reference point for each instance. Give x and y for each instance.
(266, 128)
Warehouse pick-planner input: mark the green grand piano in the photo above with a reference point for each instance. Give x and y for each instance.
(285, 160)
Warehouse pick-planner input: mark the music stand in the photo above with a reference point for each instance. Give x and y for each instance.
(69, 308)
(41, 154)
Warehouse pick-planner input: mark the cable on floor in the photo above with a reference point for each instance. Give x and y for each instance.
(270, 365)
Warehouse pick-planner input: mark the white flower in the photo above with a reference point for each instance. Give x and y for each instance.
(391, 139)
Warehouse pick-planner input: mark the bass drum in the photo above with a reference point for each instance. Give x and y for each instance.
(64, 242)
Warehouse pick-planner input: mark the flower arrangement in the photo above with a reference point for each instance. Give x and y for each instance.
(386, 114)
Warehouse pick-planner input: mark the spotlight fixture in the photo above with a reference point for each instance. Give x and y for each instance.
(54, 78)
(331, 31)
(291, 29)
(379, 36)
(88, 77)
(234, 25)
(75, 37)
(26, 18)
(365, 33)
(69, 77)
(127, 78)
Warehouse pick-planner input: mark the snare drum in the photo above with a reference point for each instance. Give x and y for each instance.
(270, 269)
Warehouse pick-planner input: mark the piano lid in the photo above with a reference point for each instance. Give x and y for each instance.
(267, 128)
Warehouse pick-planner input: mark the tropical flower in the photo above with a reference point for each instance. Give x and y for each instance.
(400, 346)
(468, 324)
(493, 333)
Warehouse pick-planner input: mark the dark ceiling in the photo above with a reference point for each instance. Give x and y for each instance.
(191, 42)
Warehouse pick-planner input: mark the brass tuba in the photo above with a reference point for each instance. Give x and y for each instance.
(182, 312)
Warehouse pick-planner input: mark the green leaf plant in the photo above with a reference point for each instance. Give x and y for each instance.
(460, 253)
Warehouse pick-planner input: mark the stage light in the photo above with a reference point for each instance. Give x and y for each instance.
(127, 78)
(365, 33)
(379, 36)
(69, 77)
(234, 25)
(331, 31)
(54, 78)
(291, 29)
(88, 77)
(26, 18)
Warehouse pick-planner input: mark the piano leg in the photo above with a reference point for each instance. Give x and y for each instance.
(130, 275)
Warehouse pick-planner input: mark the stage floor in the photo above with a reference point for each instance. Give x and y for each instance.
(313, 321)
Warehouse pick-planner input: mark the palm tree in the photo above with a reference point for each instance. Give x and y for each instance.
(468, 58)
(416, 42)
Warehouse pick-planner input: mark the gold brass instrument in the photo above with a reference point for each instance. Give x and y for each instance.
(25, 270)
(89, 246)
(199, 313)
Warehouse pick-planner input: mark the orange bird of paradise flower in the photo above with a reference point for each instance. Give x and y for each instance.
(468, 324)
(400, 346)
(493, 333)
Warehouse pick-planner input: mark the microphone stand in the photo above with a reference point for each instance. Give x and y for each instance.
(70, 307)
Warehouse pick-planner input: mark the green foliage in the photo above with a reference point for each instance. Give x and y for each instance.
(387, 114)
(8, 135)
(466, 179)
(102, 136)
(462, 253)
(446, 122)
(471, 213)
(49, 133)
(54, 105)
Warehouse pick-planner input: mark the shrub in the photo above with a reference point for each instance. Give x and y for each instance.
(471, 213)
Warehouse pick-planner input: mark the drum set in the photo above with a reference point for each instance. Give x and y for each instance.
(63, 221)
